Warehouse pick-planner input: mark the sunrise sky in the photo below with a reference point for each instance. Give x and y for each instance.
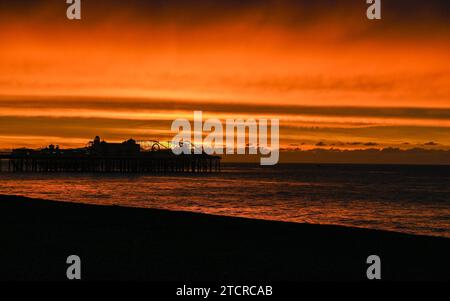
(128, 68)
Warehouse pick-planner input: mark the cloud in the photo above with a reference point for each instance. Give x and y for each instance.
(413, 156)
(383, 156)
(40, 104)
(371, 144)
(342, 18)
(327, 72)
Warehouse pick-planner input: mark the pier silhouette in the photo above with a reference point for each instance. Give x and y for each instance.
(104, 157)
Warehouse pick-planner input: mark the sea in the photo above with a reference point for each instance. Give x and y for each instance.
(411, 199)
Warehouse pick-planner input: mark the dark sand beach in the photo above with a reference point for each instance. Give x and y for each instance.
(121, 243)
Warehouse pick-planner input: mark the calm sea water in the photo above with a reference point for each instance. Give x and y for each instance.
(411, 199)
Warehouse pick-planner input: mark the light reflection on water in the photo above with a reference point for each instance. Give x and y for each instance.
(400, 198)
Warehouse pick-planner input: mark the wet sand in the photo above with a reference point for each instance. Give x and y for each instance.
(118, 243)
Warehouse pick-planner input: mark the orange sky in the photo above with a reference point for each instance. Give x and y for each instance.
(129, 69)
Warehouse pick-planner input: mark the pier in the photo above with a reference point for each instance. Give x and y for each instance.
(102, 157)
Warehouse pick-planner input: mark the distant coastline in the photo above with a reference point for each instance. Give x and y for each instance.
(391, 156)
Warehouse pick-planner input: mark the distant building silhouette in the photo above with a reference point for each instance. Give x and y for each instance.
(103, 148)
(102, 156)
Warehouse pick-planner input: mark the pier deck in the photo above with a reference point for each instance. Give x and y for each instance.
(146, 163)
(101, 156)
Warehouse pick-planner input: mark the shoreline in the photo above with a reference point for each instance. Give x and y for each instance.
(124, 243)
(212, 215)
